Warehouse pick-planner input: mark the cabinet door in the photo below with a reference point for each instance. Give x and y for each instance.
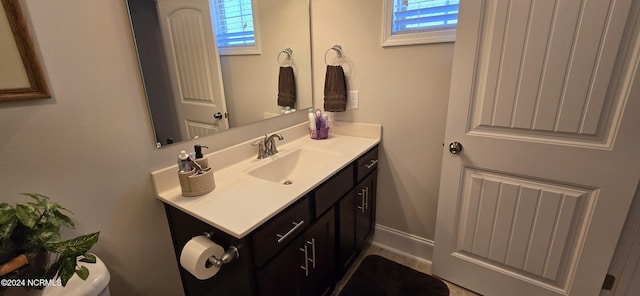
(347, 231)
(279, 277)
(364, 195)
(318, 248)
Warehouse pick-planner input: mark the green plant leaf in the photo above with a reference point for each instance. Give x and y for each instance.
(53, 270)
(6, 210)
(27, 215)
(8, 220)
(83, 272)
(37, 196)
(67, 269)
(76, 246)
(63, 219)
(7, 226)
(43, 202)
(44, 236)
(89, 258)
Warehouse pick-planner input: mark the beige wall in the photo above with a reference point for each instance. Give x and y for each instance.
(91, 146)
(405, 88)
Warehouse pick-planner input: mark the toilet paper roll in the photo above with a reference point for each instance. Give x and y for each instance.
(195, 254)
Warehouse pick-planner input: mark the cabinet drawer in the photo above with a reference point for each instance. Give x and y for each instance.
(367, 163)
(280, 230)
(332, 190)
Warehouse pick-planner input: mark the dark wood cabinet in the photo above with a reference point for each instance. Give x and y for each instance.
(303, 250)
(329, 192)
(346, 232)
(365, 199)
(357, 211)
(280, 275)
(282, 229)
(356, 221)
(317, 246)
(306, 267)
(236, 278)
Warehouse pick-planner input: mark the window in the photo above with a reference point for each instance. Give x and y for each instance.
(419, 21)
(233, 22)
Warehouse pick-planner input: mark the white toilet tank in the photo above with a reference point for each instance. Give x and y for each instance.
(97, 284)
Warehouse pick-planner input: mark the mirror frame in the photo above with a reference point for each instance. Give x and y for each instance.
(37, 88)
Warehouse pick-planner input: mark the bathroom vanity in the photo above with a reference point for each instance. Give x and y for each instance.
(297, 238)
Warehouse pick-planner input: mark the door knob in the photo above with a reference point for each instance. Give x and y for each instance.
(217, 115)
(455, 148)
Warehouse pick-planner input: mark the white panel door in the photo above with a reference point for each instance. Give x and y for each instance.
(544, 99)
(194, 66)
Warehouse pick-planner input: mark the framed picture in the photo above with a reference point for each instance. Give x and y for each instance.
(21, 75)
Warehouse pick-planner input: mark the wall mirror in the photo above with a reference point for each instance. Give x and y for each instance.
(192, 90)
(21, 76)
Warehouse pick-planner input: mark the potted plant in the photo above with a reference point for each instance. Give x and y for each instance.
(31, 232)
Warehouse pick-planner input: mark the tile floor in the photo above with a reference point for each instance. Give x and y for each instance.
(422, 266)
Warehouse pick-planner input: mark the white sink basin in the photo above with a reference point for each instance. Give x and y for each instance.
(288, 167)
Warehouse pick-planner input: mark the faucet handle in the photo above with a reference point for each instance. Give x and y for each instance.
(261, 149)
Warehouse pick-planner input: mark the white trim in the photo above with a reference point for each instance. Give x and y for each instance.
(240, 50)
(403, 242)
(433, 36)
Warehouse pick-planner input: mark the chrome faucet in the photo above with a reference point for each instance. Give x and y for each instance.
(270, 144)
(267, 145)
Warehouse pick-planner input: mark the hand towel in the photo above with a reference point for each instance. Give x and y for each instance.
(286, 87)
(335, 89)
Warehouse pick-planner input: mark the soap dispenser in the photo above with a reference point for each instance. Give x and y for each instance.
(199, 158)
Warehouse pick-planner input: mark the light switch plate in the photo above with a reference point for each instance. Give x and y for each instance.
(353, 99)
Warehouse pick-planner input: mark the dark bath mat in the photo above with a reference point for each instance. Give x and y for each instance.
(379, 276)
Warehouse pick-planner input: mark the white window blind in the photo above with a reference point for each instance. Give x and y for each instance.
(233, 23)
(412, 15)
(420, 21)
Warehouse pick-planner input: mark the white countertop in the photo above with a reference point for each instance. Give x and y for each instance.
(240, 203)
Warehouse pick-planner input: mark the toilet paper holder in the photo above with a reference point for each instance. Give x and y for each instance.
(229, 254)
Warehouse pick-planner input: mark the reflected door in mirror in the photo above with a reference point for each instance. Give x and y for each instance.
(193, 66)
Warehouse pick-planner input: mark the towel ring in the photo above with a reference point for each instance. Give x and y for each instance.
(289, 52)
(338, 50)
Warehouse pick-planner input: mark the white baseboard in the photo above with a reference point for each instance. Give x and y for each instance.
(403, 242)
